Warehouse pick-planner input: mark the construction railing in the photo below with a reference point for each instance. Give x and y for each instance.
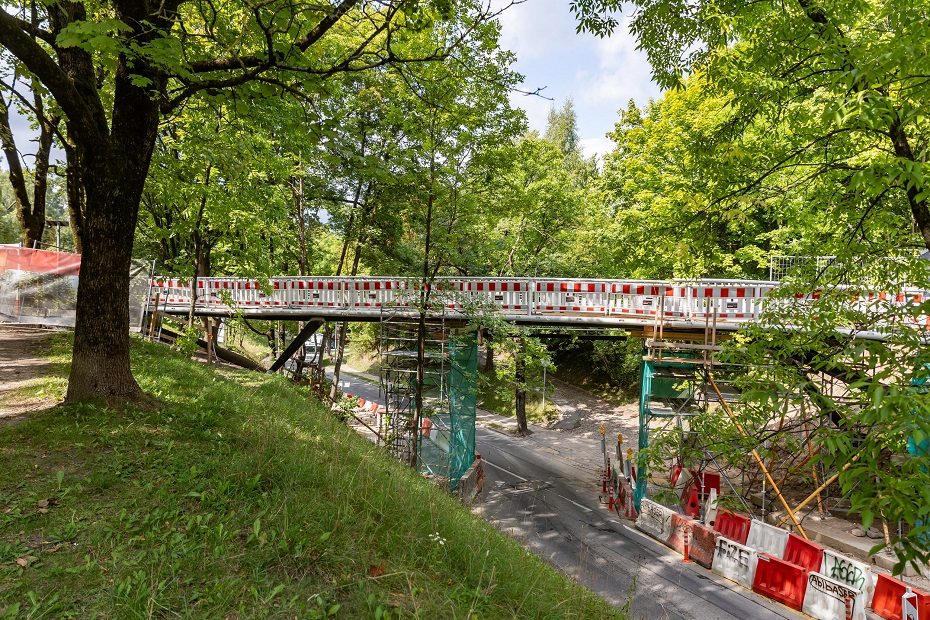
(725, 302)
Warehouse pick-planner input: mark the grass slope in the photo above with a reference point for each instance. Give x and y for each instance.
(239, 497)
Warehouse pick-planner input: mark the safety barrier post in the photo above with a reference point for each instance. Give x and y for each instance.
(687, 545)
(850, 606)
(603, 431)
(909, 605)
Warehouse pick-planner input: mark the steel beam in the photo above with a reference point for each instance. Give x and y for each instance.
(308, 330)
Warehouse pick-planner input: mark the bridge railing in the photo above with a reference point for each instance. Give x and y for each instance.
(694, 301)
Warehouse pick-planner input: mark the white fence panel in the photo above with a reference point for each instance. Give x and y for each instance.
(735, 561)
(767, 538)
(850, 572)
(655, 520)
(826, 599)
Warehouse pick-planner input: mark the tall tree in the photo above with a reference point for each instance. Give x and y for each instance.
(29, 186)
(845, 84)
(562, 129)
(836, 92)
(117, 67)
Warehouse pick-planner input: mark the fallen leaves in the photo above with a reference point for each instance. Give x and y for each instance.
(43, 505)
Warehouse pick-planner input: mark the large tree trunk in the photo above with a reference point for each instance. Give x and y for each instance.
(75, 190)
(100, 362)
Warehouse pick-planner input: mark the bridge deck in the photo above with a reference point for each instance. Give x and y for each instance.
(642, 306)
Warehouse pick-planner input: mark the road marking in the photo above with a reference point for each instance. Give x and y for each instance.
(506, 471)
(585, 508)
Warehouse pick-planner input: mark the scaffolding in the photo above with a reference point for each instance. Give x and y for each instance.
(675, 387)
(682, 379)
(442, 443)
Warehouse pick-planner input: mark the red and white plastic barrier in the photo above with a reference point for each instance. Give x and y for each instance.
(852, 573)
(888, 600)
(736, 562)
(780, 581)
(829, 599)
(733, 526)
(767, 538)
(655, 519)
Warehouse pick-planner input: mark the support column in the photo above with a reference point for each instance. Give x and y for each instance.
(308, 330)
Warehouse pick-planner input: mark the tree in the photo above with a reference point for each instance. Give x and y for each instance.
(29, 186)
(115, 69)
(836, 93)
(844, 86)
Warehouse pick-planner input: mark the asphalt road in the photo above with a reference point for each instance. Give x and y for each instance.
(551, 505)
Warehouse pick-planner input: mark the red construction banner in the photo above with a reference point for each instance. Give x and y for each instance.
(39, 261)
(39, 287)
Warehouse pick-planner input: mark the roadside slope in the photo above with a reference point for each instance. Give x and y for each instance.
(240, 497)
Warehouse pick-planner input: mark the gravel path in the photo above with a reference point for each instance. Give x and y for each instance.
(20, 368)
(582, 413)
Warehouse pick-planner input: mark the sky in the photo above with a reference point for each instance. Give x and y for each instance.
(598, 75)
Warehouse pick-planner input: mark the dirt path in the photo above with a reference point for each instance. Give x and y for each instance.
(21, 367)
(582, 413)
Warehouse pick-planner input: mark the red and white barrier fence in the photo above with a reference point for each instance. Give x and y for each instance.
(721, 301)
(784, 567)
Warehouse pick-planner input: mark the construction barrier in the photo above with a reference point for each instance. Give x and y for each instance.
(854, 574)
(829, 599)
(703, 539)
(703, 544)
(767, 538)
(780, 581)
(732, 526)
(624, 502)
(723, 301)
(804, 553)
(655, 520)
(886, 602)
(472, 481)
(676, 538)
(734, 561)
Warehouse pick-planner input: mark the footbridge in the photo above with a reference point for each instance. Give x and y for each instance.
(634, 305)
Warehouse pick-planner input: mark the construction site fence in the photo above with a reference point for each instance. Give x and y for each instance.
(39, 287)
(785, 567)
(717, 301)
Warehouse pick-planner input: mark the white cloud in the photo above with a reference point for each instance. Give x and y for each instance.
(536, 108)
(623, 72)
(596, 147)
(599, 75)
(537, 28)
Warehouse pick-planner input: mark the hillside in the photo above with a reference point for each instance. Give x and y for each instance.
(236, 496)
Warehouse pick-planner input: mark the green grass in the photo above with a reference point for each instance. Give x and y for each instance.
(239, 497)
(362, 360)
(497, 396)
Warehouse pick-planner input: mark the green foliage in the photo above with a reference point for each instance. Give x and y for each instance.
(815, 125)
(236, 494)
(621, 360)
(186, 342)
(819, 361)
